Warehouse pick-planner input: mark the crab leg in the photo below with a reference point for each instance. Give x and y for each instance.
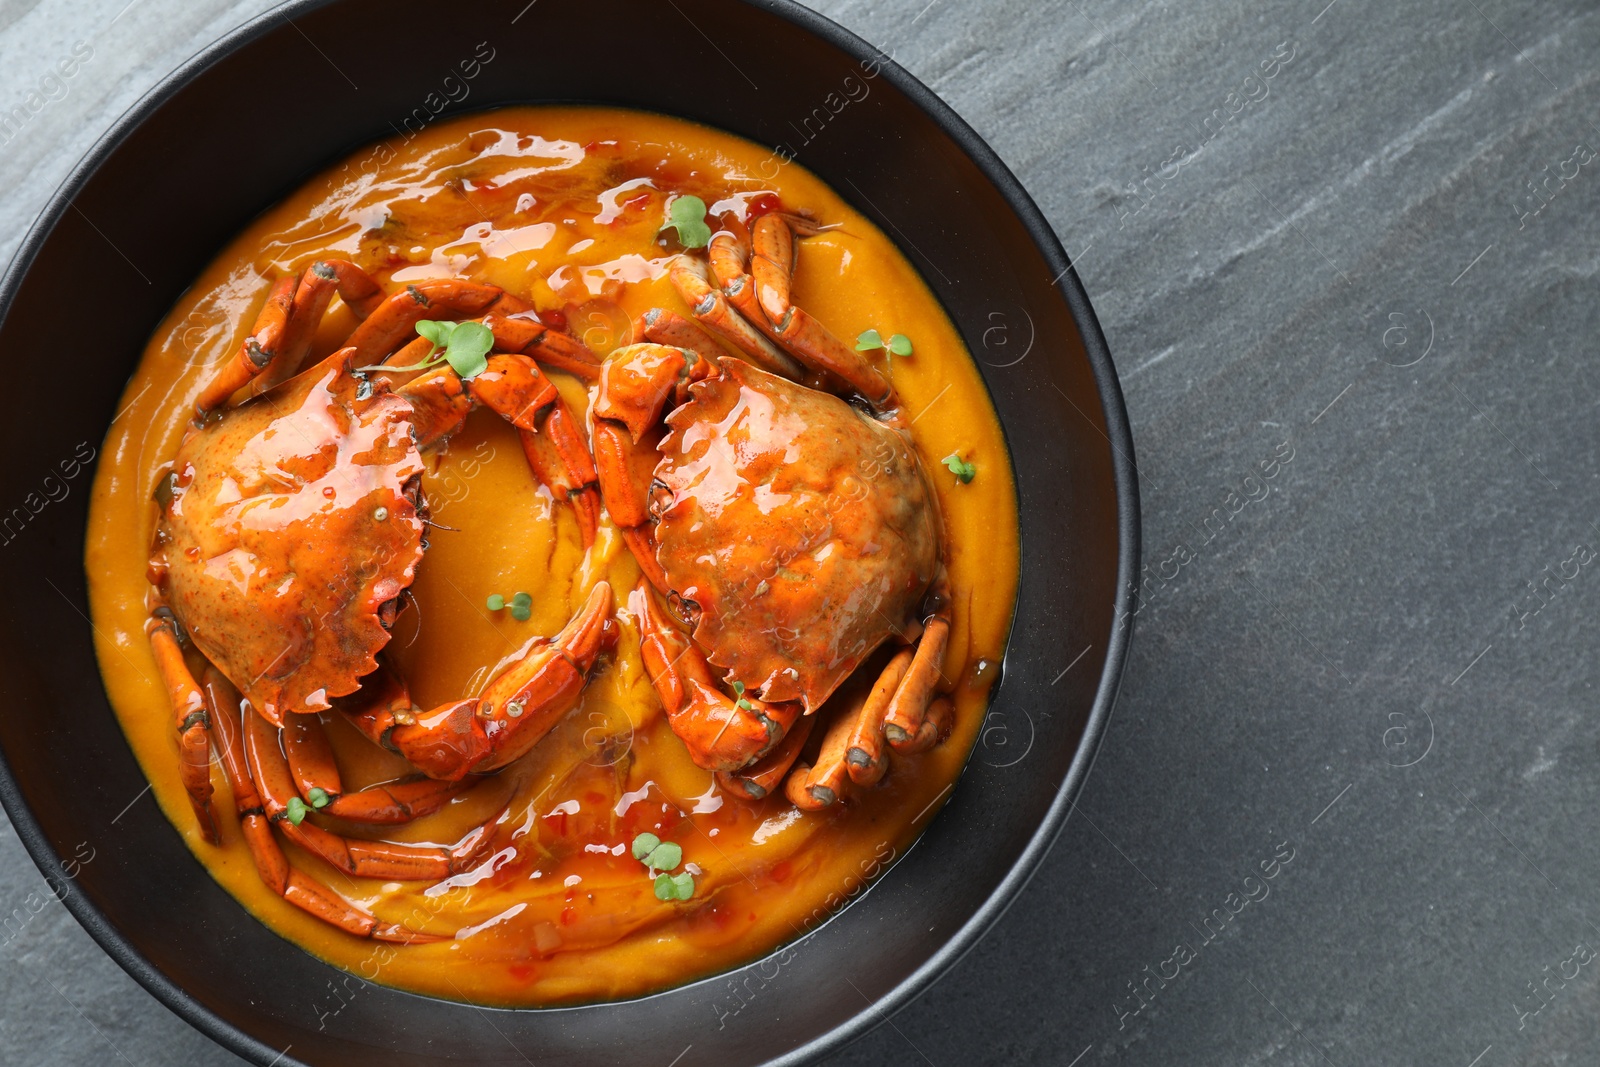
(316, 777)
(294, 886)
(522, 333)
(934, 729)
(711, 307)
(512, 714)
(256, 351)
(288, 321)
(394, 320)
(311, 762)
(720, 734)
(364, 859)
(828, 782)
(763, 776)
(401, 801)
(669, 328)
(514, 334)
(772, 268)
(188, 704)
(729, 255)
(909, 706)
(865, 753)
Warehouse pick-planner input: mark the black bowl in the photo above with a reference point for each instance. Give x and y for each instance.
(247, 121)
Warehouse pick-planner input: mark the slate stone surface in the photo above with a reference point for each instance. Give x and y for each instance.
(1358, 348)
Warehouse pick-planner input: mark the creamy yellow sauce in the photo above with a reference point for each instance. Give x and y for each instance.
(561, 206)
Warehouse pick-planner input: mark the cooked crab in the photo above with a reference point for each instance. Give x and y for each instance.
(792, 532)
(290, 529)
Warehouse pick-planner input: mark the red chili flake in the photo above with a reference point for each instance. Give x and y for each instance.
(780, 872)
(555, 319)
(569, 915)
(558, 820)
(765, 204)
(522, 972)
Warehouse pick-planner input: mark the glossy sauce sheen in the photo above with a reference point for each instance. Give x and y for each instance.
(561, 206)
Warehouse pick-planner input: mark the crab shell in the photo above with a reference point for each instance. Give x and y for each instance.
(289, 527)
(802, 529)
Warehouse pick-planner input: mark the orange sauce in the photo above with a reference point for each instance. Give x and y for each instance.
(562, 206)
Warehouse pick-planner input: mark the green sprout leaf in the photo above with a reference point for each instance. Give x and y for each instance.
(963, 470)
(495, 602)
(436, 331)
(521, 607)
(869, 340)
(296, 810)
(674, 886)
(319, 797)
(463, 345)
(664, 856)
(644, 844)
(467, 350)
(687, 215)
(900, 344)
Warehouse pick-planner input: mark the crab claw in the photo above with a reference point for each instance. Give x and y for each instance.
(514, 711)
(720, 734)
(762, 776)
(521, 705)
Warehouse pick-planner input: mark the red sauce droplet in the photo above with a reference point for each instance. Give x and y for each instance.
(765, 204)
(556, 320)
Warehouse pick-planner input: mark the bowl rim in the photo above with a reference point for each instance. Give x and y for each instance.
(1124, 479)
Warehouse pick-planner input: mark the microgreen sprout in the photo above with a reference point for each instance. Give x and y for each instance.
(687, 215)
(871, 340)
(319, 797)
(463, 345)
(659, 858)
(678, 886)
(296, 810)
(521, 605)
(738, 691)
(963, 470)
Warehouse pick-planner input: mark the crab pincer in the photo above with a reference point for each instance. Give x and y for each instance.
(721, 734)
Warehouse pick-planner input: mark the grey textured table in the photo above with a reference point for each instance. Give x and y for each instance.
(1345, 256)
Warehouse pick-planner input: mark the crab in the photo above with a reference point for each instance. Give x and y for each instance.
(791, 532)
(291, 525)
